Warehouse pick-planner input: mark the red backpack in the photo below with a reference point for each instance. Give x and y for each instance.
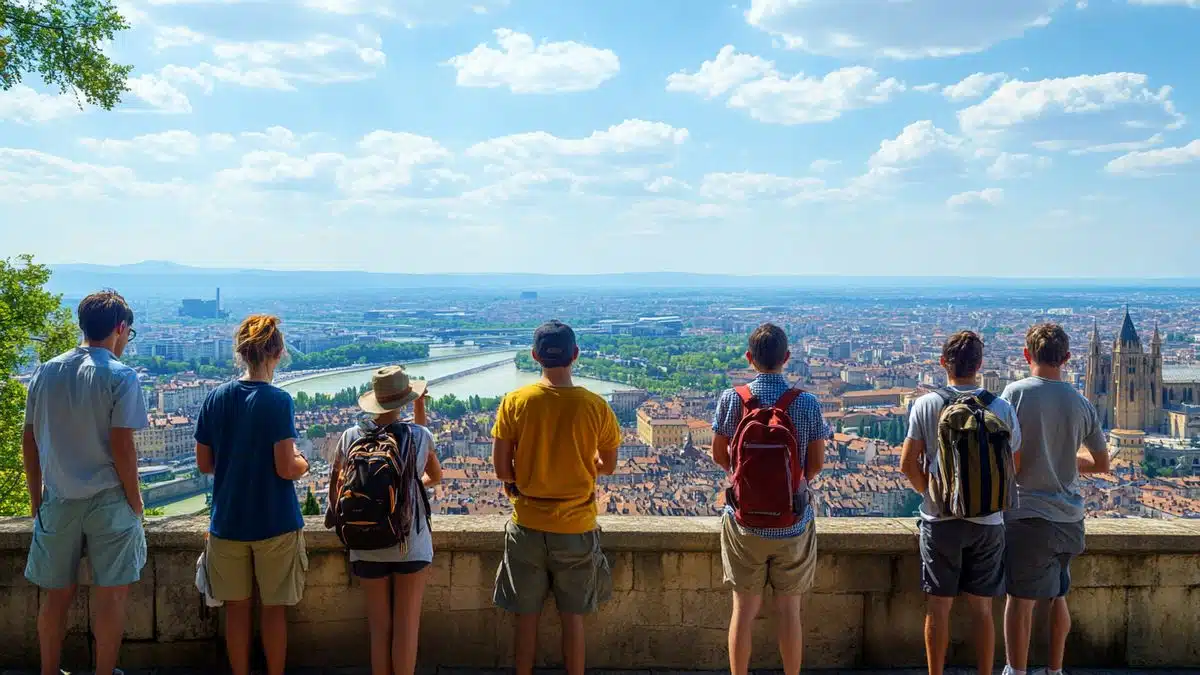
(767, 469)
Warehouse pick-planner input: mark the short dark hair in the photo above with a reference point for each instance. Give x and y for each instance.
(101, 313)
(963, 353)
(1048, 344)
(768, 346)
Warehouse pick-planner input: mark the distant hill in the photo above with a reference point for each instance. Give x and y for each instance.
(171, 280)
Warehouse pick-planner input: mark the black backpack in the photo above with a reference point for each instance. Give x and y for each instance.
(380, 481)
(975, 474)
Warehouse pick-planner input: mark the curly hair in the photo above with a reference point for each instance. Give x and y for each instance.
(258, 340)
(1048, 344)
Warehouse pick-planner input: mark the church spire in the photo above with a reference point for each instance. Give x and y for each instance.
(1129, 335)
(1157, 339)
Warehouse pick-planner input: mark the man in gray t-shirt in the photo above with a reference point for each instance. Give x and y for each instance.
(959, 556)
(1061, 438)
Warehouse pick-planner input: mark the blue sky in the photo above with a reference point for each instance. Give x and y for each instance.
(859, 137)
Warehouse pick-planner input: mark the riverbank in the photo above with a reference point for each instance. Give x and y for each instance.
(284, 379)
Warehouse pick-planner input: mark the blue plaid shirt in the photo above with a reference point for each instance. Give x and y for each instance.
(805, 412)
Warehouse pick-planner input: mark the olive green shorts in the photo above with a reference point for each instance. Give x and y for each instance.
(751, 563)
(277, 565)
(536, 563)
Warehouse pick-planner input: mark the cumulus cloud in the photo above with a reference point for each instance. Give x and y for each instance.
(166, 146)
(1016, 165)
(1150, 162)
(985, 197)
(526, 67)
(35, 176)
(1067, 112)
(912, 29)
(754, 85)
(973, 86)
(24, 105)
(631, 137)
(1194, 4)
(918, 141)
(743, 185)
(823, 165)
(158, 93)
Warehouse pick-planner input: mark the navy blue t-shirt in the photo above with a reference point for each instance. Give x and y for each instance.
(242, 422)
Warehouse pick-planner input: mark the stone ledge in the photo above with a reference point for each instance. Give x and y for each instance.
(887, 536)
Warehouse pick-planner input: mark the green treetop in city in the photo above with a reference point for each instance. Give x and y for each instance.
(62, 42)
(33, 324)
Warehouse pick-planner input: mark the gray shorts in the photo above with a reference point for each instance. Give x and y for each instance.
(958, 556)
(1039, 557)
(535, 563)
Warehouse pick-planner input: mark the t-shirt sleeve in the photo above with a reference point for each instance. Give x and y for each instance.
(724, 420)
(820, 429)
(1094, 435)
(1014, 426)
(129, 407)
(610, 430)
(918, 420)
(204, 422)
(31, 400)
(283, 423)
(505, 427)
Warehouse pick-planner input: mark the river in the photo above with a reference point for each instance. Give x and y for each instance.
(493, 382)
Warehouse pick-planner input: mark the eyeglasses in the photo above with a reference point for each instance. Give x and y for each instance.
(132, 333)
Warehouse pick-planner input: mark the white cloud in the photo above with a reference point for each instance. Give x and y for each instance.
(667, 185)
(728, 70)
(742, 186)
(388, 161)
(926, 88)
(409, 12)
(985, 197)
(1195, 4)
(1016, 165)
(34, 176)
(169, 37)
(823, 165)
(24, 105)
(1150, 162)
(908, 29)
(272, 166)
(1072, 110)
(769, 96)
(156, 92)
(916, 142)
(206, 75)
(167, 146)
(973, 86)
(628, 137)
(800, 99)
(528, 68)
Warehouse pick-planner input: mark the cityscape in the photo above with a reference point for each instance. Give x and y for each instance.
(660, 356)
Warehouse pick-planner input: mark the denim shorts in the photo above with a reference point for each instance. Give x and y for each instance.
(103, 525)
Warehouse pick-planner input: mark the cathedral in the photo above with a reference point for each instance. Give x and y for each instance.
(1132, 390)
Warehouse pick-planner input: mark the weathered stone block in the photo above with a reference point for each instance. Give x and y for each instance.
(891, 628)
(174, 568)
(640, 608)
(1162, 626)
(1176, 569)
(439, 569)
(196, 655)
(461, 638)
(336, 642)
(328, 568)
(18, 625)
(470, 598)
(78, 618)
(329, 603)
(180, 614)
(707, 609)
(622, 570)
(852, 573)
(474, 569)
(671, 571)
(1099, 627)
(12, 569)
(1108, 571)
(833, 630)
(139, 616)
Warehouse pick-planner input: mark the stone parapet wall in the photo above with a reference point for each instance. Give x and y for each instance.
(1136, 600)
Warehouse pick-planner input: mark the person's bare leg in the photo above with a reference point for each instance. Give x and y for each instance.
(984, 628)
(274, 637)
(1018, 624)
(237, 635)
(574, 644)
(52, 627)
(406, 620)
(526, 642)
(1060, 628)
(791, 632)
(741, 631)
(108, 625)
(379, 623)
(937, 632)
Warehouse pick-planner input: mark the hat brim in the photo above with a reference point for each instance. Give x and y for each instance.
(370, 404)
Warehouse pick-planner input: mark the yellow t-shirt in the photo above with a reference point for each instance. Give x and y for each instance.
(558, 432)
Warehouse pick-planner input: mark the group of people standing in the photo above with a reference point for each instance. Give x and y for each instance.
(552, 440)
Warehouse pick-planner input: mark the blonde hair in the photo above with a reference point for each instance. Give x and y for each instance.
(258, 340)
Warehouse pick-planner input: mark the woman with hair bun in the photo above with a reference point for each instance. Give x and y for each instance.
(245, 436)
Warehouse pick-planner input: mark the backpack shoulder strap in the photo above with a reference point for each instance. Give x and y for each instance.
(947, 394)
(987, 398)
(789, 397)
(749, 400)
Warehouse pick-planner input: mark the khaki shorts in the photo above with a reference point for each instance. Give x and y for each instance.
(751, 563)
(536, 563)
(277, 564)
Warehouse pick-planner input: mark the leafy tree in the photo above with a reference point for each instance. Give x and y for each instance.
(62, 41)
(33, 323)
(310, 506)
(1149, 469)
(152, 511)
(315, 431)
